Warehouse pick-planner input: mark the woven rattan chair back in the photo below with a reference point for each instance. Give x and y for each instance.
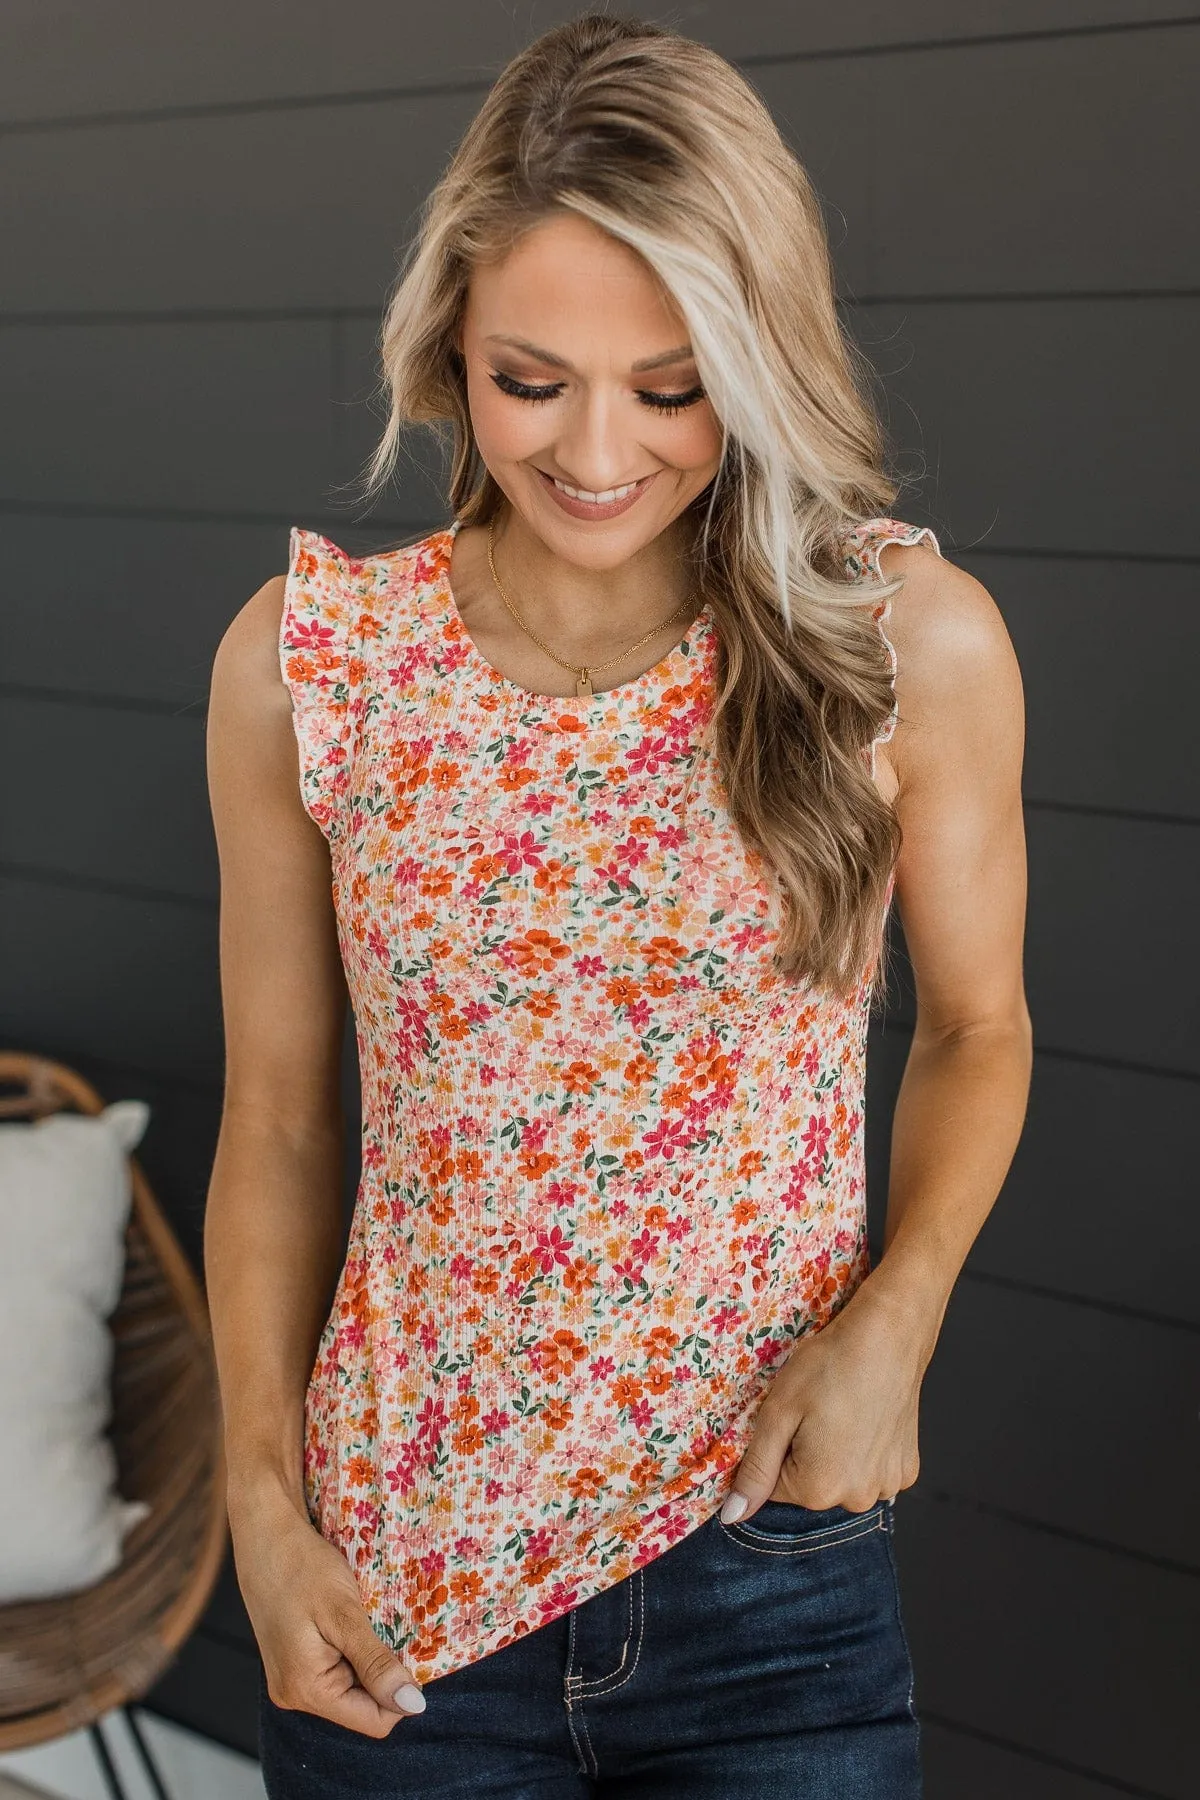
(66, 1661)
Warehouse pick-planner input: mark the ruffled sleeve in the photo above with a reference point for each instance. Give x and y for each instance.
(314, 656)
(862, 547)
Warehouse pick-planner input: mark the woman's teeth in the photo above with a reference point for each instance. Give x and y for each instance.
(595, 499)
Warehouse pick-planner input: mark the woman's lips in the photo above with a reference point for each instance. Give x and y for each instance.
(588, 509)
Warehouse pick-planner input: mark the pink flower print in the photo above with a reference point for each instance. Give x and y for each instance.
(307, 634)
(431, 1420)
(666, 1140)
(651, 756)
(817, 1134)
(591, 967)
(538, 1543)
(517, 853)
(539, 804)
(559, 1599)
(552, 1248)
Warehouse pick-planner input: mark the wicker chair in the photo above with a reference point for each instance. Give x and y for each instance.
(66, 1661)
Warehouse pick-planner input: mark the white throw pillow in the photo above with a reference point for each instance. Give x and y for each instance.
(65, 1198)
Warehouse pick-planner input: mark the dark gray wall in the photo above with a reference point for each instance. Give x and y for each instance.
(201, 209)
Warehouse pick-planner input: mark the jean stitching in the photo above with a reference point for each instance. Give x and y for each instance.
(569, 1675)
(591, 1766)
(900, 1628)
(610, 1683)
(571, 1686)
(599, 1682)
(810, 1537)
(768, 1544)
(583, 1751)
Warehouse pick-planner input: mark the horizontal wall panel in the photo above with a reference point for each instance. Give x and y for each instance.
(124, 607)
(1109, 959)
(1015, 422)
(1100, 1200)
(959, 1766)
(1067, 1415)
(1086, 194)
(1101, 1197)
(298, 209)
(1074, 1652)
(62, 57)
(200, 417)
(242, 419)
(1106, 650)
(119, 979)
(120, 797)
(1108, 954)
(291, 210)
(311, 207)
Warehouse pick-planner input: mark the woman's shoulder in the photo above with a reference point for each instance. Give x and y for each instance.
(246, 665)
(941, 617)
(938, 608)
(950, 644)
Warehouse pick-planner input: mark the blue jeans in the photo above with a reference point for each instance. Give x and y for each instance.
(757, 1660)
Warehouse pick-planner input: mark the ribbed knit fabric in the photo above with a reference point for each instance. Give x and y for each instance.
(612, 1164)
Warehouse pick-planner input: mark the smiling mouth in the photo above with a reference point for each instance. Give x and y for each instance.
(606, 495)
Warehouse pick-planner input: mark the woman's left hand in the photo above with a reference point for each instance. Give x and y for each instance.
(838, 1426)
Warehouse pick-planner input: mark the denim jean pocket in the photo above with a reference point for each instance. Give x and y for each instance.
(780, 1528)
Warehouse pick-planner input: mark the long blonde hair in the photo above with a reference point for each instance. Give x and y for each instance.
(659, 141)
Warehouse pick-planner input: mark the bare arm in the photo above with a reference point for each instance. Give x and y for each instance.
(272, 1232)
(273, 1223)
(839, 1425)
(961, 892)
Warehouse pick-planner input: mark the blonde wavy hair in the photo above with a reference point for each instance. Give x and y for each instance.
(659, 141)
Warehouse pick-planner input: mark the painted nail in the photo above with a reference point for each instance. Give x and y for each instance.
(409, 1698)
(735, 1505)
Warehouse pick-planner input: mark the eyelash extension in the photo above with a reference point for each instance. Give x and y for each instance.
(660, 403)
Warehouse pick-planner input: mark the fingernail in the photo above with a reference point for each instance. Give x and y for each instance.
(735, 1505)
(409, 1698)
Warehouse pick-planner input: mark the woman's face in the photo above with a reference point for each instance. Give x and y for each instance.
(553, 337)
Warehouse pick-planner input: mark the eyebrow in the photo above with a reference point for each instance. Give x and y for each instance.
(683, 353)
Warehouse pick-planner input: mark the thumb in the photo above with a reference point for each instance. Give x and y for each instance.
(388, 1680)
(761, 1462)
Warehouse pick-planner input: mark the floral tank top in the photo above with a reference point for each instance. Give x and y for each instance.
(612, 1163)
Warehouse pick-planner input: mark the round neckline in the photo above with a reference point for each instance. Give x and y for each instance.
(625, 697)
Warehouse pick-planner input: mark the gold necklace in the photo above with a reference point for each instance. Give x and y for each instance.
(583, 676)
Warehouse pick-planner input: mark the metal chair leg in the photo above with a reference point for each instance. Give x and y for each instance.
(153, 1776)
(108, 1767)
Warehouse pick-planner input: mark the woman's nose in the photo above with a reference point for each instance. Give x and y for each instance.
(594, 449)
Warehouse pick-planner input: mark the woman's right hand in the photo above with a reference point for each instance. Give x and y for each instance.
(320, 1652)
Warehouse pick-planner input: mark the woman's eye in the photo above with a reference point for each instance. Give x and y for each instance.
(668, 403)
(524, 390)
(527, 390)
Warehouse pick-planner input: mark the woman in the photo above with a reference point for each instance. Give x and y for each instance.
(604, 791)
